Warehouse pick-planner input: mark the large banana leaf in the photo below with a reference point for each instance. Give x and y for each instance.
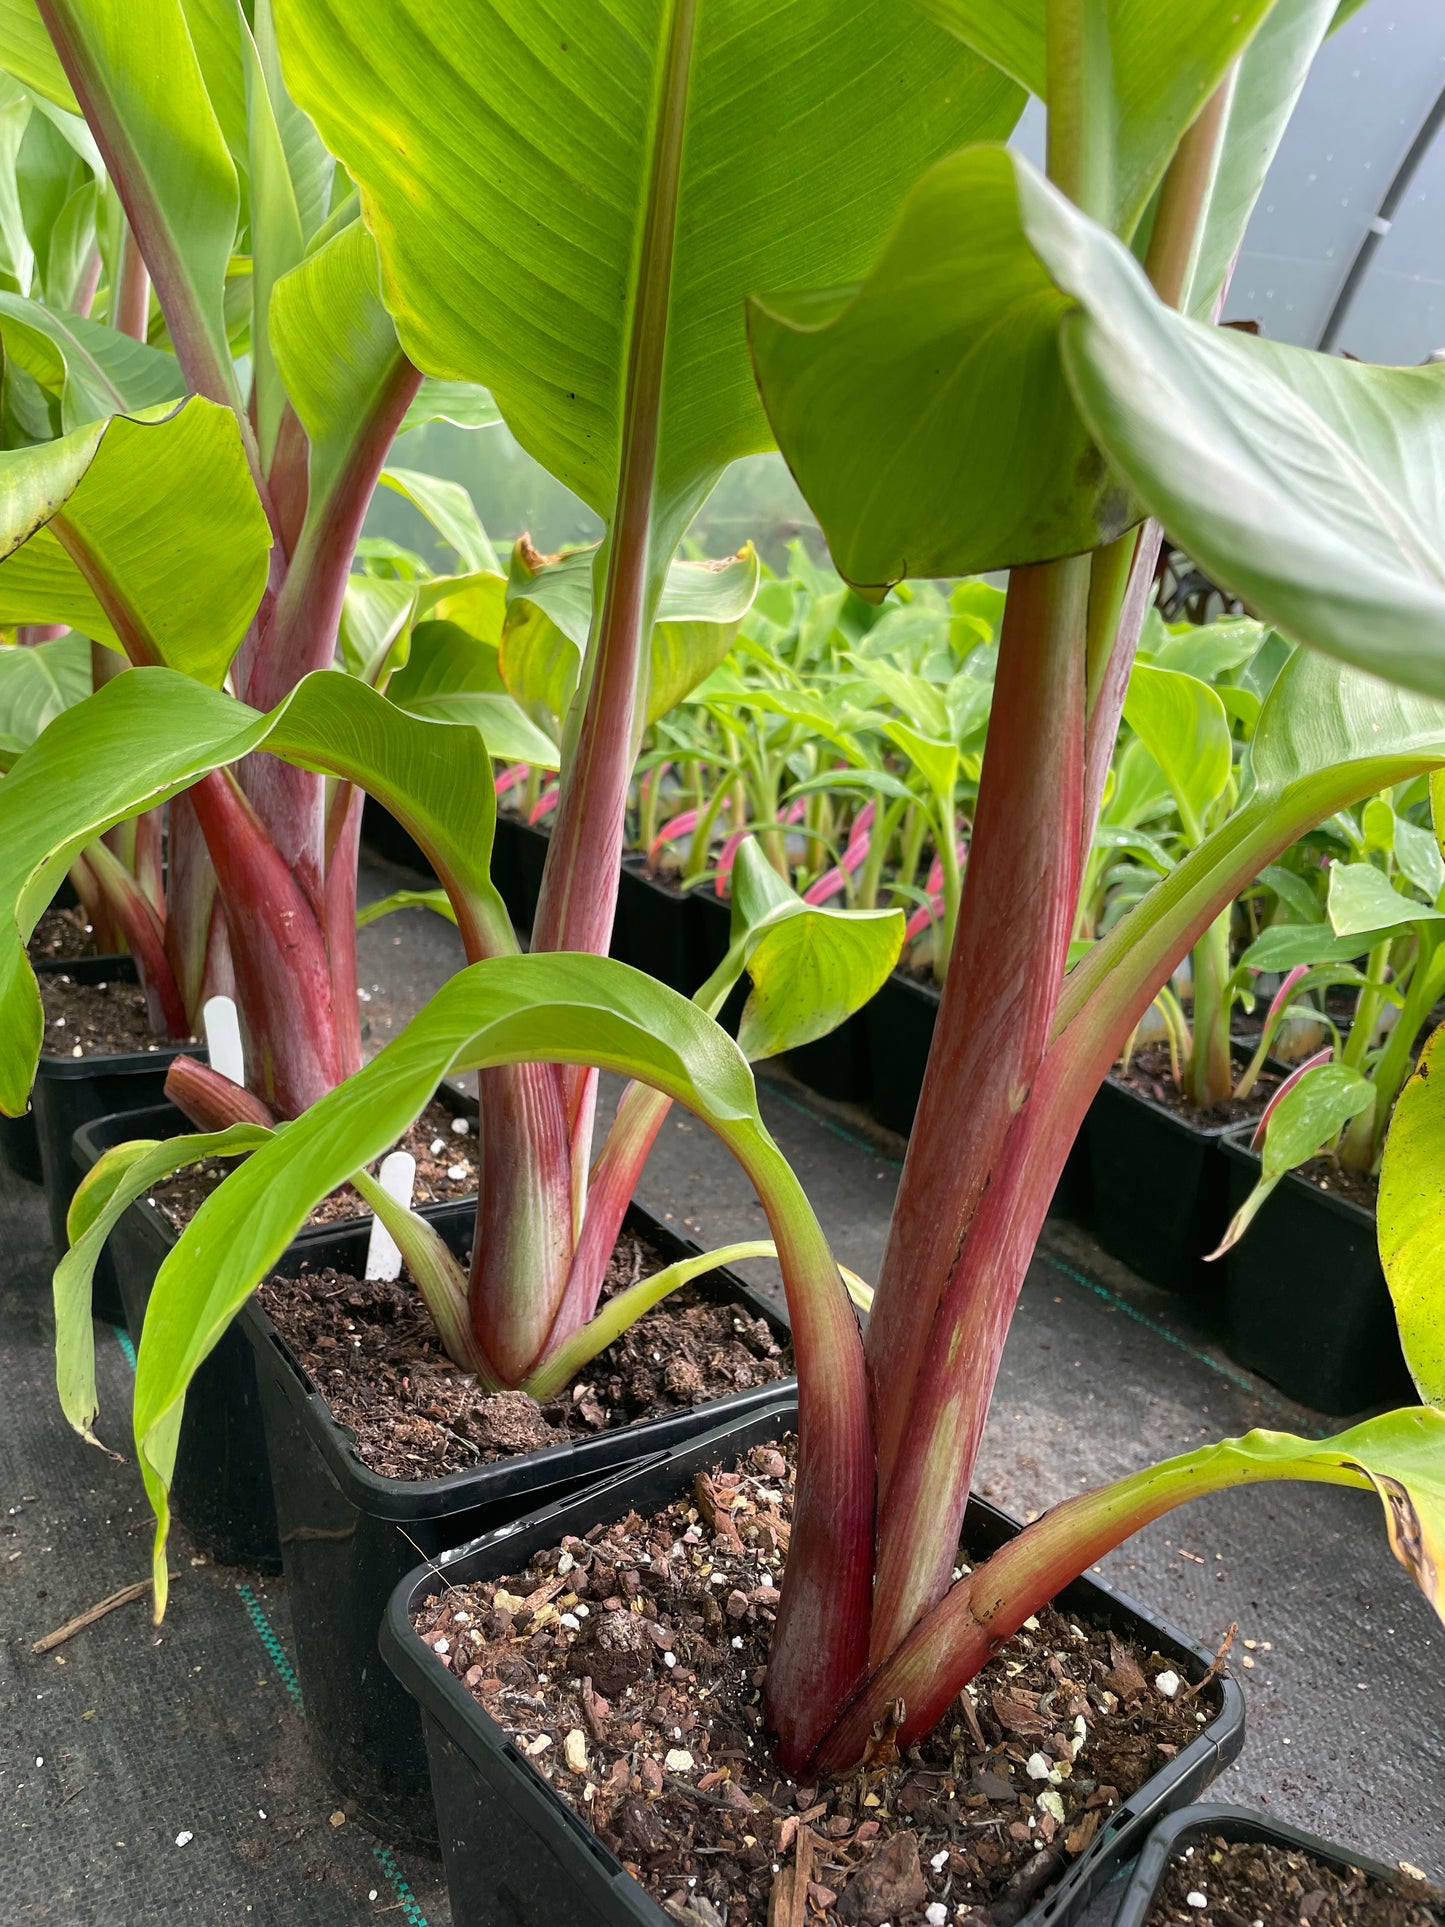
(151, 733)
(27, 52)
(585, 194)
(91, 370)
(1146, 72)
(143, 532)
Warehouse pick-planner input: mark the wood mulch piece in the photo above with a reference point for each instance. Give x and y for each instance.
(446, 1167)
(372, 1352)
(628, 1668)
(95, 1020)
(1246, 1881)
(1150, 1075)
(61, 934)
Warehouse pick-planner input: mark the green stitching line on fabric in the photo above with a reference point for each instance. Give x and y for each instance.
(267, 1633)
(122, 1338)
(414, 1915)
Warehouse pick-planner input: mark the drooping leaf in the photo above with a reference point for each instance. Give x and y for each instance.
(1285, 946)
(37, 682)
(698, 613)
(500, 272)
(1361, 898)
(1410, 1217)
(151, 733)
(1302, 1122)
(1181, 722)
(374, 632)
(925, 413)
(451, 512)
(91, 370)
(161, 511)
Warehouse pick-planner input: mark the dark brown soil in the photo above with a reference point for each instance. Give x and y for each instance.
(628, 1668)
(60, 934)
(94, 1020)
(1150, 1075)
(1360, 1187)
(1247, 1881)
(450, 1172)
(372, 1352)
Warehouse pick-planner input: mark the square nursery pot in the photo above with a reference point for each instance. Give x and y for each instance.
(1306, 1303)
(381, 833)
(71, 1091)
(653, 928)
(1138, 1887)
(349, 1534)
(515, 1852)
(1161, 1187)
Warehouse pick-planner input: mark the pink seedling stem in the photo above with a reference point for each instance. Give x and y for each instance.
(675, 828)
(545, 804)
(860, 837)
(511, 776)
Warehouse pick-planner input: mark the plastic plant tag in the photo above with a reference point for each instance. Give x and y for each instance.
(398, 1174)
(223, 1038)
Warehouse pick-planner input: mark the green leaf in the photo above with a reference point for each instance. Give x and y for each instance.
(556, 1008)
(37, 682)
(1296, 897)
(693, 180)
(91, 370)
(1181, 722)
(277, 238)
(1283, 946)
(336, 352)
(374, 634)
(1303, 1121)
(19, 255)
(925, 413)
(698, 613)
(462, 403)
(147, 103)
(1361, 898)
(143, 530)
(449, 509)
(1305, 484)
(1418, 855)
(27, 52)
(436, 901)
(1209, 651)
(1321, 717)
(123, 1174)
(150, 733)
(811, 965)
(1410, 1216)
(1157, 70)
(450, 676)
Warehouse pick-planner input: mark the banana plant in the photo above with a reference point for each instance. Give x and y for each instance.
(1008, 384)
(1386, 911)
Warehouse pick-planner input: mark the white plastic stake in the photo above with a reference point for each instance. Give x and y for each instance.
(398, 1174)
(223, 1038)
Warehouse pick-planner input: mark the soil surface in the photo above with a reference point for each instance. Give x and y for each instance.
(1360, 1187)
(61, 933)
(95, 1020)
(628, 1668)
(371, 1350)
(1246, 1883)
(1150, 1075)
(446, 1167)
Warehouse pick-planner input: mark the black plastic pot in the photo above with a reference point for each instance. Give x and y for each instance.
(1161, 1188)
(1189, 1825)
(381, 832)
(1306, 1302)
(348, 1534)
(71, 1091)
(653, 929)
(900, 1033)
(514, 1851)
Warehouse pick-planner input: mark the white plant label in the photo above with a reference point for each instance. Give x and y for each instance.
(398, 1174)
(223, 1038)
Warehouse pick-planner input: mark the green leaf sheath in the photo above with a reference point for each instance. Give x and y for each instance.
(151, 733)
(1400, 1456)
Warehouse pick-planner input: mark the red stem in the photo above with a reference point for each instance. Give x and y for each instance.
(135, 916)
(1015, 914)
(210, 1100)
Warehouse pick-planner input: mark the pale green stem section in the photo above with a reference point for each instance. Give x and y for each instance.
(626, 1308)
(436, 1274)
(1210, 1071)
